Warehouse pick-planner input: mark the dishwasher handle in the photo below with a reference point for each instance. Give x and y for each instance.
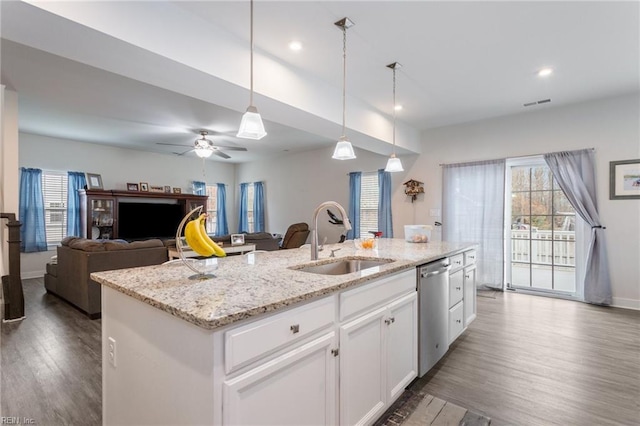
(436, 272)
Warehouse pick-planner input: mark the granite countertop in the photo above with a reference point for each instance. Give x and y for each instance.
(252, 284)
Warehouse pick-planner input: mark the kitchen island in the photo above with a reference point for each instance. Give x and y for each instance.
(263, 342)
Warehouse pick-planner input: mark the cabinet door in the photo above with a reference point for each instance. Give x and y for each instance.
(456, 284)
(469, 294)
(402, 345)
(296, 388)
(362, 368)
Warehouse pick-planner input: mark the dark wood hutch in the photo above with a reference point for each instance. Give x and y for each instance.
(99, 208)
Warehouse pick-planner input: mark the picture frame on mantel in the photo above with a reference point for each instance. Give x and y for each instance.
(94, 181)
(144, 187)
(624, 180)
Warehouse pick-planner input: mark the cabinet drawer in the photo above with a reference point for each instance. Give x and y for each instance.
(456, 287)
(369, 296)
(469, 257)
(247, 343)
(456, 325)
(457, 261)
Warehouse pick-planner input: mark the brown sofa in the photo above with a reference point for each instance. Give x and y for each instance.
(262, 240)
(78, 257)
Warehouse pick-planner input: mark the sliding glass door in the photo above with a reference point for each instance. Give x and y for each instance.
(541, 246)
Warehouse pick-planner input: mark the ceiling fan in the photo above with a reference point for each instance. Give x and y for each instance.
(204, 147)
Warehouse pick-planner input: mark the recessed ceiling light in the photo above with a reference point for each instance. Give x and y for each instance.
(545, 72)
(397, 107)
(295, 46)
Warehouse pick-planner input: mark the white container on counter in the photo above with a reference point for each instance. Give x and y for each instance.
(417, 233)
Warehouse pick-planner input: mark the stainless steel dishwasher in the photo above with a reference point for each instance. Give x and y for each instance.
(433, 313)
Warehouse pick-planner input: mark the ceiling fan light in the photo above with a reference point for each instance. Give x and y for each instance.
(203, 152)
(394, 165)
(251, 126)
(344, 150)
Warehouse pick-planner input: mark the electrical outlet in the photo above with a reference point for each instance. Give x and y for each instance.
(112, 351)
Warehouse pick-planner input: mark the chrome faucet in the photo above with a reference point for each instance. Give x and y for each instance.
(314, 231)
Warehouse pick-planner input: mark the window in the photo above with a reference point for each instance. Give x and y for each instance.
(54, 192)
(369, 198)
(542, 230)
(250, 197)
(212, 205)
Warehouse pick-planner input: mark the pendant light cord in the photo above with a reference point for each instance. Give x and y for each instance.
(394, 111)
(344, 78)
(251, 61)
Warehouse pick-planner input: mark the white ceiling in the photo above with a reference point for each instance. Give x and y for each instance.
(137, 73)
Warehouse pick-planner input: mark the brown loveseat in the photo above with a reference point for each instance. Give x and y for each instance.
(78, 257)
(262, 240)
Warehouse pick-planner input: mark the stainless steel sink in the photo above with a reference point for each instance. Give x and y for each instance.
(342, 266)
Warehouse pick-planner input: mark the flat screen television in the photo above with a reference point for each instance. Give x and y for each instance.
(138, 221)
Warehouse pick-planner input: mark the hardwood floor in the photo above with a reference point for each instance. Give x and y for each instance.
(530, 360)
(525, 360)
(50, 363)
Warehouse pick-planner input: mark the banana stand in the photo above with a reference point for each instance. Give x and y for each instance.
(12, 283)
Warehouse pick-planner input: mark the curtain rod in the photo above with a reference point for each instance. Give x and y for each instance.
(366, 173)
(512, 158)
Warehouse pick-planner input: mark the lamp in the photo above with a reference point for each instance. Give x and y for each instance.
(394, 164)
(251, 126)
(202, 147)
(344, 150)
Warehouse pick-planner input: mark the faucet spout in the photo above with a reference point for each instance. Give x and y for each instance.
(314, 231)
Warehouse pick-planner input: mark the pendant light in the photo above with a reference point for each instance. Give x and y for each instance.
(251, 126)
(394, 164)
(344, 150)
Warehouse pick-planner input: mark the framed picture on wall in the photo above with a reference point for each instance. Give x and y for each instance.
(624, 180)
(94, 181)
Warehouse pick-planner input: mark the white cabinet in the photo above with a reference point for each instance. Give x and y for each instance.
(362, 368)
(378, 349)
(469, 294)
(402, 345)
(462, 293)
(296, 388)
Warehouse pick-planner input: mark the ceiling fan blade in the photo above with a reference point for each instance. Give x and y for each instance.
(183, 153)
(173, 144)
(228, 148)
(220, 154)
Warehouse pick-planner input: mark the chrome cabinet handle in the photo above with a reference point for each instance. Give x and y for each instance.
(458, 288)
(389, 321)
(467, 276)
(295, 328)
(458, 321)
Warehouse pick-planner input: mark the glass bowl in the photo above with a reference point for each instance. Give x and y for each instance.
(366, 243)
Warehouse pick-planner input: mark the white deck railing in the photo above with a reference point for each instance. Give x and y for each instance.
(561, 249)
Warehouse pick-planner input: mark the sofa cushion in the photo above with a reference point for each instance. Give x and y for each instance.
(118, 245)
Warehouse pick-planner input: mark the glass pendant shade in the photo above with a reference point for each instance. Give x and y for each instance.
(203, 152)
(344, 150)
(251, 126)
(394, 165)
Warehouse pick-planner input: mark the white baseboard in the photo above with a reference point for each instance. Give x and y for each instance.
(621, 302)
(32, 274)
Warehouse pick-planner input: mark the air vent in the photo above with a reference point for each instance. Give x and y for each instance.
(543, 101)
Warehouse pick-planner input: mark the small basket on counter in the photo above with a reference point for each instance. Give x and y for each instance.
(417, 233)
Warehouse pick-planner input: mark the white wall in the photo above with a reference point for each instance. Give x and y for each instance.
(117, 166)
(295, 184)
(611, 126)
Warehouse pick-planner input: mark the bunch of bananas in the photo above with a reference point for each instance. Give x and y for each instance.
(197, 238)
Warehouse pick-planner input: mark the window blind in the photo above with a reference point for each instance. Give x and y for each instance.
(54, 192)
(212, 203)
(369, 198)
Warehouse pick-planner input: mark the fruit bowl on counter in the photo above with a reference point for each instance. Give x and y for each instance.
(366, 243)
(417, 233)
